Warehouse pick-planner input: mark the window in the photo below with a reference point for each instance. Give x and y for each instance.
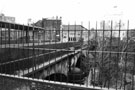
(64, 36)
(68, 39)
(74, 38)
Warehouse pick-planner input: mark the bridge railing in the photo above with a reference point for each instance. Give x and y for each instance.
(106, 57)
(12, 82)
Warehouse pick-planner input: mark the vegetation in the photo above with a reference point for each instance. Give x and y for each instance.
(114, 61)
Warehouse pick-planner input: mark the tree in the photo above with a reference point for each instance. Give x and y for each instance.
(117, 60)
(105, 61)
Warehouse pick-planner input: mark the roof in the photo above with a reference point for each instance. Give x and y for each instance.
(73, 27)
(47, 23)
(38, 23)
(18, 26)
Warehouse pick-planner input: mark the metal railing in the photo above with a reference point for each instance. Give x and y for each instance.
(106, 57)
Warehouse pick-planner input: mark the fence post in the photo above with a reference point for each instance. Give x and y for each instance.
(9, 33)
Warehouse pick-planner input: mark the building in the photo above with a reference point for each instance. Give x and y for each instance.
(4, 33)
(73, 33)
(7, 18)
(52, 28)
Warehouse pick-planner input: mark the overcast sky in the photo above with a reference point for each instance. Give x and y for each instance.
(69, 10)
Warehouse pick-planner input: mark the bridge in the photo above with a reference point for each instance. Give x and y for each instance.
(59, 60)
(26, 64)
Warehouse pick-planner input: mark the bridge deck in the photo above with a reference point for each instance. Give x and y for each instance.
(43, 57)
(43, 65)
(26, 44)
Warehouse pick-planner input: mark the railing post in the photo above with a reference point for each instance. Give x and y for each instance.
(70, 60)
(9, 33)
(27, 35)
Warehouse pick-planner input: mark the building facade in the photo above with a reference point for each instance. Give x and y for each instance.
(73, 33)
(7, 18)
(52, 29)
(4, 32)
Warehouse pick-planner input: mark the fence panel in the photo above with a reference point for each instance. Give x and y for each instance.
(71, 58)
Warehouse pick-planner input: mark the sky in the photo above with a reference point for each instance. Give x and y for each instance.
(71, 11)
